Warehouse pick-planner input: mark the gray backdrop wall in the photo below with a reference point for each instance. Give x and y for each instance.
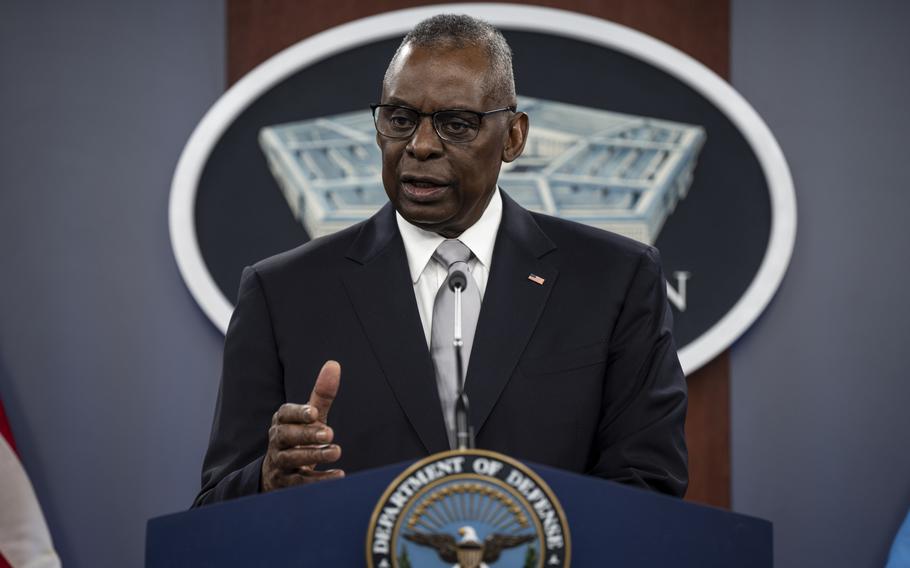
(108, 369)
(820, 387)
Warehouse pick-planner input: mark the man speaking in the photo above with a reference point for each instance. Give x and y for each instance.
(339, 355)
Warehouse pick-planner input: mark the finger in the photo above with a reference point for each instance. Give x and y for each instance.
(316, 474)
(310, 476)
(304, 476)
(291, 413)
(306, 457)
(326, 388)
(282, 436)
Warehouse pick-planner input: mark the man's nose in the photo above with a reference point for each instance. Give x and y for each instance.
(425, 143)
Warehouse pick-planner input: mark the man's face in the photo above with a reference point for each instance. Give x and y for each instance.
(443, 186)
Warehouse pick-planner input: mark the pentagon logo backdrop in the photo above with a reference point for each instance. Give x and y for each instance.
(627, 134)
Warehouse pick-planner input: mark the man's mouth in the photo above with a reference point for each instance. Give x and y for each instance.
(420, 188)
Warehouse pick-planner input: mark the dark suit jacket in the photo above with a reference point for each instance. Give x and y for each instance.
(580, 373)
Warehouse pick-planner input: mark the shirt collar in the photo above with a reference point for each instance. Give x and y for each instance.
(419, 244)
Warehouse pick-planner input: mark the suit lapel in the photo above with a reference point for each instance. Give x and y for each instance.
(512, 304)
(383, 298)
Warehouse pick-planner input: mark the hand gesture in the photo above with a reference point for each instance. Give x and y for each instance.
(300, 439)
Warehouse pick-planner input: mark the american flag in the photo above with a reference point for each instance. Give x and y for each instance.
(24, 538)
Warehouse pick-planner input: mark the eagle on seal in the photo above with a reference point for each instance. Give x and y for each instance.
(469, 552)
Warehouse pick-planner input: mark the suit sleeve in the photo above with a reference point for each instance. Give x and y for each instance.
(251, 391)
(642, 429)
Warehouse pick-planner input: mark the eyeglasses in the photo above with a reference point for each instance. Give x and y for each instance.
(455, 125)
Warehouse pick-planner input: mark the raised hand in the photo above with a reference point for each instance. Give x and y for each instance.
(300, 438)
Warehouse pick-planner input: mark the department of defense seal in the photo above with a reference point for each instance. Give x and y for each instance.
(468, 509)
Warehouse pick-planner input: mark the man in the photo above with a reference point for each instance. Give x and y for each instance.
(570, 357)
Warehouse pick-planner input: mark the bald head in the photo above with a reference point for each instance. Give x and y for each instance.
(458, 31)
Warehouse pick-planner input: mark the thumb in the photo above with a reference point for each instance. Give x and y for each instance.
(325, 389)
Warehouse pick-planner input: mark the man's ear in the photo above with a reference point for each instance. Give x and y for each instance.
(516, 137)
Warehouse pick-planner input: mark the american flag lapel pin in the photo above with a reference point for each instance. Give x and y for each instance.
(536, 279)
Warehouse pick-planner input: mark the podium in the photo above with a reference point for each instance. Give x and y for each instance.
(326, 524)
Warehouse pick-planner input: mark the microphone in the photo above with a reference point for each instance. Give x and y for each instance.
(457, 280)
(464, 433)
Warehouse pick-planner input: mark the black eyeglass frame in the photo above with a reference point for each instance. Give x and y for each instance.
(433, 115)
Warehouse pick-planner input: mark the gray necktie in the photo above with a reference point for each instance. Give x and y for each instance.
(452, 254)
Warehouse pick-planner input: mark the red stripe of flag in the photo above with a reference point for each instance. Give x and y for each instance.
(5, 430)
(7, 434)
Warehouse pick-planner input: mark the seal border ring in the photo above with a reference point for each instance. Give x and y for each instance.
(557, 506)
(436, 482)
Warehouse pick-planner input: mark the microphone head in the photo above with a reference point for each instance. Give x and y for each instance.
(457, 279)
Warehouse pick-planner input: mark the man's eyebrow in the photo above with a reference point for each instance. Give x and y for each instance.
(399, 102)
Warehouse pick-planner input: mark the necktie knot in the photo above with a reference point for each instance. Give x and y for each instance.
(451, 251)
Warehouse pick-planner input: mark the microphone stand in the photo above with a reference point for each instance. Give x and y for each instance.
(464, 432)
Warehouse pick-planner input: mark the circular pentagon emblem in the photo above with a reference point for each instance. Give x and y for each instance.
(634, 137)
(469, 509)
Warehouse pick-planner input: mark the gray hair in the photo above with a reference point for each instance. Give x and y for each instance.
(460, 31)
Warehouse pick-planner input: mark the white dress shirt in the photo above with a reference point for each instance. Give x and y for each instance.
(427, 275)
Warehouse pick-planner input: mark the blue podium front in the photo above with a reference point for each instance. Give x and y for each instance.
(326, 524)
